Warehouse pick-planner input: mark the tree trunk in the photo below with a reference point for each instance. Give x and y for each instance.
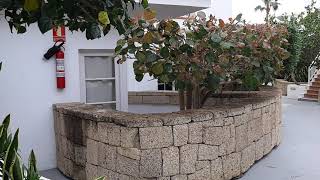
(189, 98)
(196, 99)
(182, 100)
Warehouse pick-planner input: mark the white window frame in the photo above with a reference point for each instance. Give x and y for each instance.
(160, 83)
(120, 79)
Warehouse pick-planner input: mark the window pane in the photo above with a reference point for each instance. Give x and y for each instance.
(168, 86)
(100, 91)
(99, 67)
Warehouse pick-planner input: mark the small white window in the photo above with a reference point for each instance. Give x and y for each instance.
(100, 79)
(165, 86)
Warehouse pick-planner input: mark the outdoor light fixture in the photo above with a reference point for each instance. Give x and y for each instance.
(53, 50)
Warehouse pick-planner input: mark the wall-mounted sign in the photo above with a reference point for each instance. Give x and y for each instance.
(59, 34)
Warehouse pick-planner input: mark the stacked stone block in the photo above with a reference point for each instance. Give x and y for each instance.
(219, 142)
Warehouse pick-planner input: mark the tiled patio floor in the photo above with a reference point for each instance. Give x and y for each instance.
(297, 158)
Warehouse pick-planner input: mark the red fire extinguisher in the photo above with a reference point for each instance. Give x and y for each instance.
(60, 70)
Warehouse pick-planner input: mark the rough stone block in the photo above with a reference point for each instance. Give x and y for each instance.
(216, 135)
(241, 137)
(92, 129)
(267, 144)
(91, 171)
(176, 119)
(107, 156)
(202, 164)
(241, 119)
(108, 174)
(127, 166)
(180, 135)
(170, 158)
(228, 147)
(255, 130)
(217, 169)
(257, 113)
(132, 153)
(179, 177)
(80, 155)
(248, 158)
(207, 152)
(188, 158)
(266, 124)
(155, 137)
(231, 165)
(135, 99)
(92, 152)
(163, 178)
(201, 174)
(200, 115)
(109, 133)
(151, 163)
(259, 149)
(129, 137)
(228, 121)
(156, 99)
(195, 133)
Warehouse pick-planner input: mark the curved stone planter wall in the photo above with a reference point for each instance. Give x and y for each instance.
(219, 142)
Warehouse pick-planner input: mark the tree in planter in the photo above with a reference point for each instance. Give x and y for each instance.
(94, 17)
(203, 55)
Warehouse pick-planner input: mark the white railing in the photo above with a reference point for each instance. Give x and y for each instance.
(313, 70)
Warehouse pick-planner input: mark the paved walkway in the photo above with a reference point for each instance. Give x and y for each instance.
(298, 156)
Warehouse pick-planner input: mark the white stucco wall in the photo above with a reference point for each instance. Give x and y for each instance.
(28, 85)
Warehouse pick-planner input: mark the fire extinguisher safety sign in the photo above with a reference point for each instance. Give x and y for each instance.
(59, 34)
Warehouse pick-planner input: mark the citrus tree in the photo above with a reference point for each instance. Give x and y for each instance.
(94, 17)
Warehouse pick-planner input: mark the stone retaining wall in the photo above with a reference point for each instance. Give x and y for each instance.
(219, 142)
(153, 97)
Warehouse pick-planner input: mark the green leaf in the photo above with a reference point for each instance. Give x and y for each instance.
(238, 18)
(31, 5)
(93, 31)
(4, 4)
(255, 63)
(226, 45)
(11, 156)
(151, 57)
(121, 42)
(250, 82)
(44, 24)
(216, 38)
(164, 52)
(106, 29)
(139, 77)
(168, 68)
(157, 69)
(213, 82)
(145, 3)
(103, 18)
(141, 56)
(209, 57)
(100, 178)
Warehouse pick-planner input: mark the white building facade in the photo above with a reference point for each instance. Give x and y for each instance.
(28, 83)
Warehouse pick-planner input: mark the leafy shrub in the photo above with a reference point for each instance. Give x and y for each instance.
(10, 162)
(295, 47)
(206, 53)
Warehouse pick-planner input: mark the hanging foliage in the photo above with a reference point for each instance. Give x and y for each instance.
(93, 17)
